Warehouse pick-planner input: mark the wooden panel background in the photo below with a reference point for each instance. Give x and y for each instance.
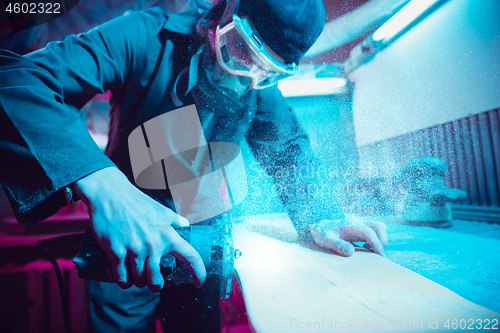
(470, 147)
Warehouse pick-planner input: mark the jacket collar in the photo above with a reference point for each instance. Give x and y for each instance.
(184, 22)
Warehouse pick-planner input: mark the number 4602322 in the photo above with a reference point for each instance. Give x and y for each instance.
(34, 8)
(472, 324)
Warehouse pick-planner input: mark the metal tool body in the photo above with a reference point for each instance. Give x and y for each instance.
(212, 240)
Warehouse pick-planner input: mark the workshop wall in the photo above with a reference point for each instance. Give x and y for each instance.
(447, 67)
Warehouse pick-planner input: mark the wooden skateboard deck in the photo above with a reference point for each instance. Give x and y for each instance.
(288, 287)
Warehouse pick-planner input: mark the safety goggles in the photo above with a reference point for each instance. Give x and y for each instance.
(240, 51)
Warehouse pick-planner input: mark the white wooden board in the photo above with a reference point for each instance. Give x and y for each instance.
(288, 288)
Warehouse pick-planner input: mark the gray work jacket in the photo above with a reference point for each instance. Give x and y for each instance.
(44, 146)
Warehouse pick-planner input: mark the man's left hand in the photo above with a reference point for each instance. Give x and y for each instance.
(336, 235)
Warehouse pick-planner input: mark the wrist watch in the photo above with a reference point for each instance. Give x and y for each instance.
(70, 194)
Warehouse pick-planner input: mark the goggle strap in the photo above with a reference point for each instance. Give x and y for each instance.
(231, 8)
(193, 70)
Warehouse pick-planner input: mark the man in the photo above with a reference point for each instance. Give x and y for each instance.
(152, 63)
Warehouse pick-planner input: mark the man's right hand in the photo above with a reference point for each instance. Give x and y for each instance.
(134, 230)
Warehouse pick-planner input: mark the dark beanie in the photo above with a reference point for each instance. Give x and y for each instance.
(289, 27)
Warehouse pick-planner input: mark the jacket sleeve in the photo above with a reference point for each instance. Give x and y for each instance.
(282, 148)
(44, 145)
